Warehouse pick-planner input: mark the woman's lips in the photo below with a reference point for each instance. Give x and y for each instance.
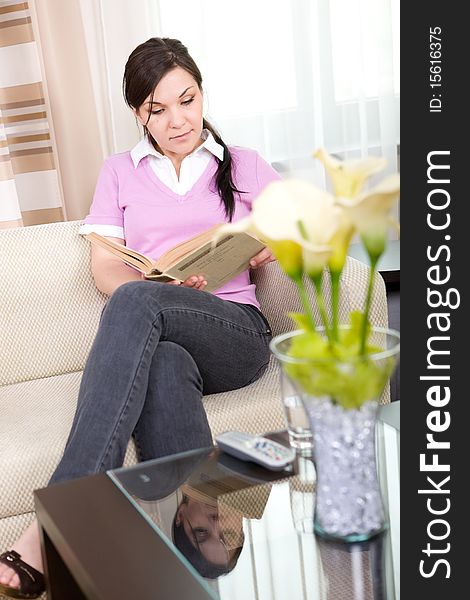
(183, 136)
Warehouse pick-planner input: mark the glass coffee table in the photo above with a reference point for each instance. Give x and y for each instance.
(241, 531)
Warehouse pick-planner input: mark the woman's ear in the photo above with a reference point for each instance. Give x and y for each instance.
(180, 514)
(138, 117)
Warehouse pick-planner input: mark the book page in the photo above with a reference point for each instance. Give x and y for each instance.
(173, 255)
(230, 257)
(131, 257)
(219, 265)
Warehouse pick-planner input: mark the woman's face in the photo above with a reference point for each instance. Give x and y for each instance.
(216, 535)
(173, 114)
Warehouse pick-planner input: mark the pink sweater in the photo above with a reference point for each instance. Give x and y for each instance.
(155, 218)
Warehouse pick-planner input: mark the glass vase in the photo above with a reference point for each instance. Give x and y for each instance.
(341, 398)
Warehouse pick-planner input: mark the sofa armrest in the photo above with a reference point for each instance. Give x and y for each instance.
(278, 295)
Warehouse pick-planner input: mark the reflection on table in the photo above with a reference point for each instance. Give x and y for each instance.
(260, 544)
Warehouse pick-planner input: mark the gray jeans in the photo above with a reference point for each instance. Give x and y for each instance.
(158, 349)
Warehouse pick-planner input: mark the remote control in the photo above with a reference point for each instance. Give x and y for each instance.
(255, 448)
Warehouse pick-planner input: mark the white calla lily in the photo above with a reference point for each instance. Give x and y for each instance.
(315, 258)
(340, 243)
(296, 220)
(370, 212)
(283, 205)
(348, 176)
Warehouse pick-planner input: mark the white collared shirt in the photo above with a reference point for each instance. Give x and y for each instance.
(192, 166)
(191, 169)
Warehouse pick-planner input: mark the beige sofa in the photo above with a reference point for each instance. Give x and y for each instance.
(49, 314)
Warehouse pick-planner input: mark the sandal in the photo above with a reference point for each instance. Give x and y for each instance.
(32, 583)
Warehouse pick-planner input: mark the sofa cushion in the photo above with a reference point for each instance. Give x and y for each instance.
(256, 408)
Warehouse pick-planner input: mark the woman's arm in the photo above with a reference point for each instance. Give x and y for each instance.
(109, 272)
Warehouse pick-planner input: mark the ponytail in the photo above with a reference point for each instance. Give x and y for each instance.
(223, 177)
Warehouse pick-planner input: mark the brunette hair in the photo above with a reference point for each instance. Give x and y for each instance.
(145, 67)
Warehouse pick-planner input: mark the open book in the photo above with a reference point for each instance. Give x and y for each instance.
(218, 263)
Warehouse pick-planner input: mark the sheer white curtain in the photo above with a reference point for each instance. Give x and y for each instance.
(286, 77)
(281, 76)
(113, 28)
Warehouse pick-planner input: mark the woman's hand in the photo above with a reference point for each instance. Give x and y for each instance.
(196, 282)
(263, 258)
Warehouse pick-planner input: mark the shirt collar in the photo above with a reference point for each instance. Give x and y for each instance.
(144, 148)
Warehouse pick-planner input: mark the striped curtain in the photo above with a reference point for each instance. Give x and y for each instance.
(29, 185)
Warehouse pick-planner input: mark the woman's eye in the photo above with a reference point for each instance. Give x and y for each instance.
(186, 102)
(156, 112)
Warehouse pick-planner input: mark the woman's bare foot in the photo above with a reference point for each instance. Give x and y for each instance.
(29, 547)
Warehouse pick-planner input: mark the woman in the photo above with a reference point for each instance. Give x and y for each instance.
(159, 346)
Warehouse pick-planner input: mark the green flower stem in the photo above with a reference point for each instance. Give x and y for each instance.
(335, 277)
(305, 301)
(370, 286)
(321, 305)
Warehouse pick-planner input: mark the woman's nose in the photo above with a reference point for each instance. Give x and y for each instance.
(176, 119)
